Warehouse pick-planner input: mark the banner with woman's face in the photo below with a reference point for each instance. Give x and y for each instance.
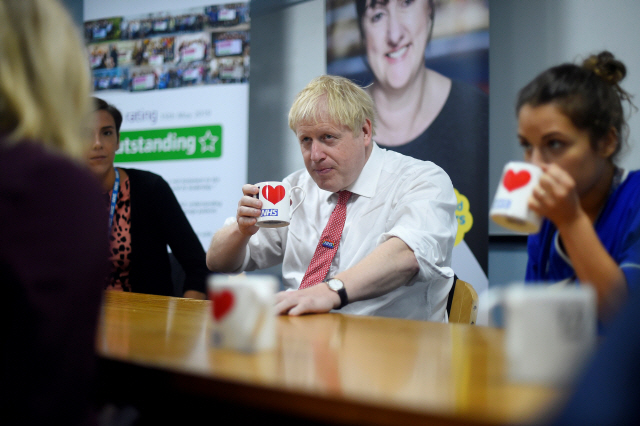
(426, 65)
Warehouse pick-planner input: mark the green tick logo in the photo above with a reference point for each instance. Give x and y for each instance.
(170, 144)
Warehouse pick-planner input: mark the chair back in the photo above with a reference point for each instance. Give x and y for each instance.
(463, 306)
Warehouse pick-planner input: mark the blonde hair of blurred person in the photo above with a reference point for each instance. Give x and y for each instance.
(40, 53)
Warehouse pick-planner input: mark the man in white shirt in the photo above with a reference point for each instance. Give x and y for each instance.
(394, 256)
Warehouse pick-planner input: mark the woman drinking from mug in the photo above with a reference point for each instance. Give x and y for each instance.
(144, 218)
(571, 123)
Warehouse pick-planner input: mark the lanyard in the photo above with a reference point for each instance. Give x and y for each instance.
(114, 198)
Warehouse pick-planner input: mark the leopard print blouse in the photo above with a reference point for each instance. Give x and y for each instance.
(120, 240)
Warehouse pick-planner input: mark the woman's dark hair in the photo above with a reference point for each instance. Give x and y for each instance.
(361, 8)
(589, 95)
(102, 105)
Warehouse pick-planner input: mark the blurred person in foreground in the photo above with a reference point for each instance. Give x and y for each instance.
(424, 114)
(571, 123)
(52, 220)
(144, 218)
(393, 255)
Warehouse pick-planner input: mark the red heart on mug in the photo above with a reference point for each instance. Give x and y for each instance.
(222, 303)
(273, 195)
(513, 180)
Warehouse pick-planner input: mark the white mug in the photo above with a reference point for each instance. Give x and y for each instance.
(243, 311)
(276, 203)
(510, 207)
(550, 330)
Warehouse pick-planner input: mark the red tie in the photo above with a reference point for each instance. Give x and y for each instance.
(328, 244)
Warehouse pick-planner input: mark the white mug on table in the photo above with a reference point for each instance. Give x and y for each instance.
(243, 311)
(550, 330)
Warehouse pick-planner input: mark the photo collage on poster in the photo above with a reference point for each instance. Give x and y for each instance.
(165, 50)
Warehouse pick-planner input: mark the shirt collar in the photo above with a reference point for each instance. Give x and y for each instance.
(366, 183)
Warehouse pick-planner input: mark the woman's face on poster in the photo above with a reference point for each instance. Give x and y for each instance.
(396, 34)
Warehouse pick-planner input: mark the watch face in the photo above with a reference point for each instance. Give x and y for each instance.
(335, 285)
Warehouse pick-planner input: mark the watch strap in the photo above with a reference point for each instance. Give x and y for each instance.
(344, 300)
(342, 292)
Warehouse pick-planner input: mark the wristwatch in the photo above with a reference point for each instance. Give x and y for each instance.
(338, 286)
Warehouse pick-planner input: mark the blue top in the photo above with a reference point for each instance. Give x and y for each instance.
(617, 226)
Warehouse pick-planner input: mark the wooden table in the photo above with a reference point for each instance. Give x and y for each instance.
(327, 368)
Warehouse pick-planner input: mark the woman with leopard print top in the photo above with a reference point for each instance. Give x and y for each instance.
(144, 217)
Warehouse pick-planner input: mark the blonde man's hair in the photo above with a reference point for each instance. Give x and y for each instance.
(347, 103)
(44, 76)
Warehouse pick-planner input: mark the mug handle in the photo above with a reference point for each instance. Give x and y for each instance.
(303, 197)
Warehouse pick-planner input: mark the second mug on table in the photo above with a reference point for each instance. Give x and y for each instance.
(550, 330)
(276, 203)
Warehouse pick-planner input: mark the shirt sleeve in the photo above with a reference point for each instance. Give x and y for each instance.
(424, 218)
(265, 248)
(630, 259)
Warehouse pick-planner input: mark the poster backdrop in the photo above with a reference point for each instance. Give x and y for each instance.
(426, 65)
(179, 73)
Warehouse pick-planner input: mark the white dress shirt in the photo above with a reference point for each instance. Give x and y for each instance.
(394, 196)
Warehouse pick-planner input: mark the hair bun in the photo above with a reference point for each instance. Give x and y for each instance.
(606, 66)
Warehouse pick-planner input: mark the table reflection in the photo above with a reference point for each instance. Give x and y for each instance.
(155, 330)
(411, 368)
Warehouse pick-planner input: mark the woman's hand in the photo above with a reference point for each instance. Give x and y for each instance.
(555, 197)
